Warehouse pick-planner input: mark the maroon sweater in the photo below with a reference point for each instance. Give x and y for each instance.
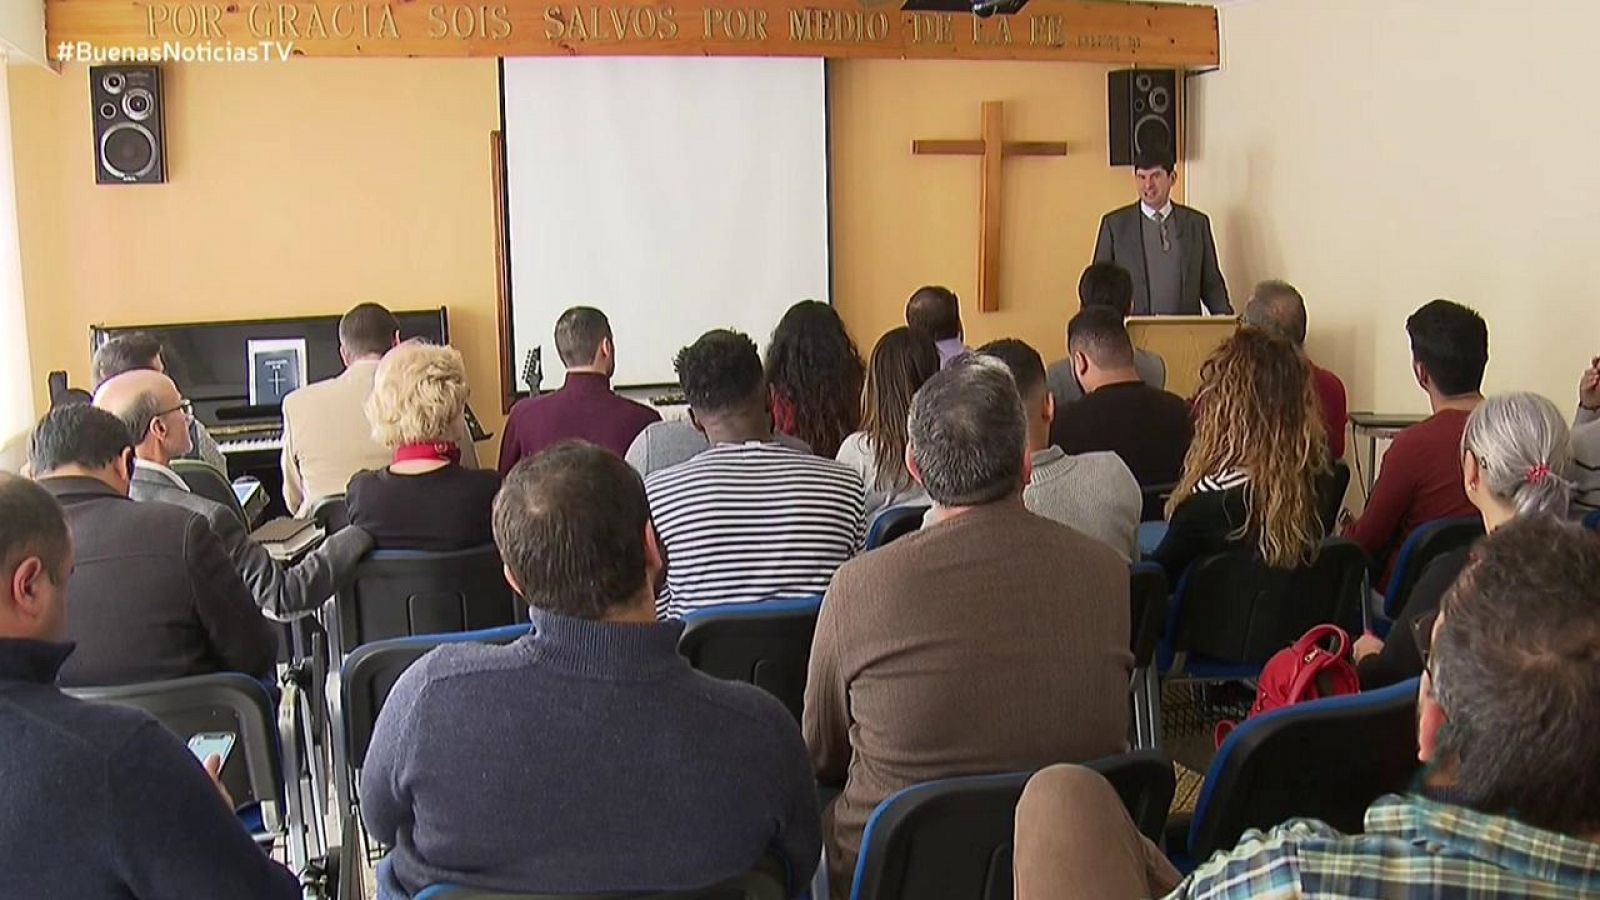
(585, 408)
(1420, 482)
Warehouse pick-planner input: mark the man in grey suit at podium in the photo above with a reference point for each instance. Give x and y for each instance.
(1167, 248)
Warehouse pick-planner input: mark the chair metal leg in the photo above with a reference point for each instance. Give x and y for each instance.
(1152, 705)
(1143, 737)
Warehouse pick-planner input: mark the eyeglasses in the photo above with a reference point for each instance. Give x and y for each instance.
(187, 406)
(1422, 637)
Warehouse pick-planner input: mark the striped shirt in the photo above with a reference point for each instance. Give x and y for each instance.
(756, 521)
(1412, 849)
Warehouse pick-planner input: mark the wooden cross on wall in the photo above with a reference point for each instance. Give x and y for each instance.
(994, 149)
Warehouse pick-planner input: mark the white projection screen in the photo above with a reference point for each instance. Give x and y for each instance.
(676, 194)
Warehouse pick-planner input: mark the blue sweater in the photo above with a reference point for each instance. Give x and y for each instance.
(584, 758)
(99, 801)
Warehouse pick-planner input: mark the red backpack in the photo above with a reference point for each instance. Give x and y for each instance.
(1316, 666)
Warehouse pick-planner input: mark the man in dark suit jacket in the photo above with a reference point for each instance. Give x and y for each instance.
(1167, 248)
(154, 594)
(156, 415)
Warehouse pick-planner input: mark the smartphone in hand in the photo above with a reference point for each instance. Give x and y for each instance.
(212, 743)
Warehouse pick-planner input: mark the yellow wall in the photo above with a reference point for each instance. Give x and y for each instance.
(307, 187)
(294, 189)
(901, 221)
(1382, 154)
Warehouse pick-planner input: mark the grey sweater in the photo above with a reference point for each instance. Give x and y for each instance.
(584, 758)
(1094, 493)
(1584, 470)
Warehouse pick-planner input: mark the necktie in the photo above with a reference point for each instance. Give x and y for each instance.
(1166, 235)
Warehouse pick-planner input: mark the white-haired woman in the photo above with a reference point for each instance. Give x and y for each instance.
(1513, 453)
(425, 499)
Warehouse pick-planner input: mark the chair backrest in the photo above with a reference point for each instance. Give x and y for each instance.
(331, 513)
(225, 701)
(396, 593)
(765, 882)
(1155, 501)
(368, 675)
(893, 523)
(1324, 759)
(1147, 591)
(1426, 543)
(1592, 521)
(1330, 495)
(1232, 608)
(766, 644)
(204, 479)
(953, 838)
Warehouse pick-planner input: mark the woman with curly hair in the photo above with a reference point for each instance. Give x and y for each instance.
(1252, 475)
(814, 372)
(425, 499)
(902, 360)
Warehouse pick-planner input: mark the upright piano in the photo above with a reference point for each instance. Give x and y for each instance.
(210, 362)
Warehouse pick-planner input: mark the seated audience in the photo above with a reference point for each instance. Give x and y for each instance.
(901, 362)
(425, 499)
(154, 594)
(1585, 468)
(749, 519)
(97, 801)
(936, 312)
(814, 373)
(992, 640)
(585, 407)
(156, 414)
(1258, 463)
(1508, 729)
(662, 445)
(1105, 284)
(1148, 427)
(131, 352)
(1091, 492)
(326, 439)
(586, 757)
(1420, 479)
(1512, 455)
(1276, 307)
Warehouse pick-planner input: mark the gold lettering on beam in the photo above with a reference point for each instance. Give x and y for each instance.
(316, 29)
(386, 26)
(799, 25)
(931, 28)
(1045, 30)
(212, 26)
(554, 27)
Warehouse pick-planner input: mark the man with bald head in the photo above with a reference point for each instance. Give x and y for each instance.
(153, 594)
(1276, 307)
(157, 417)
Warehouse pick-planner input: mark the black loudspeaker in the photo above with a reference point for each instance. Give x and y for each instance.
(128, 135)
(1143, 112)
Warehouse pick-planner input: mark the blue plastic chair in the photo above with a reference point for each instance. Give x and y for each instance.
(1323, 759)
(1147, 594)
(766, 644)
(1231, 611)
(1592, 521)
(953, 837)
(765, 882)
(1426, 543)
(395, 593)
(892, 523)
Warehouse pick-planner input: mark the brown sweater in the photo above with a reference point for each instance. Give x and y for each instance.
(996, 641)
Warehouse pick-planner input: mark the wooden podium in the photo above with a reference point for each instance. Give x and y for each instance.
(1184, 342)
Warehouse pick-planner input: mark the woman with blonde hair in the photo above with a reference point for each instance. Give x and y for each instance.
(425, 499)
(901, 361)
(1252, 475)
(1513, 453)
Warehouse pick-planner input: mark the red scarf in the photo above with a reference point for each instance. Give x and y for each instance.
(439, 451)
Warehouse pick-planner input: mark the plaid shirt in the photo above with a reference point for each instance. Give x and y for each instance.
(1412, 849)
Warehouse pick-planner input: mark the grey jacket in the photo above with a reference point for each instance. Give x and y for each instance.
(1121, 242)
(282, 592)
(1063, 382)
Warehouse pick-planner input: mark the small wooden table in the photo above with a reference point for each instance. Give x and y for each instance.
(1375, 427)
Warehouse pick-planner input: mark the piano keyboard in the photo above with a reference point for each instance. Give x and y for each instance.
(251, 445)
